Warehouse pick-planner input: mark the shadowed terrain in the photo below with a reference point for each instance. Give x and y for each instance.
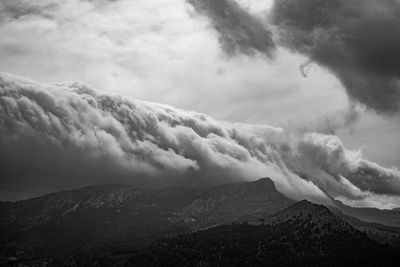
(91, 218)
(103, 221)
(305, 234)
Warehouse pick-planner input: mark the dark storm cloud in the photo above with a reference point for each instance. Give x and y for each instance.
(238, 31)
(18, 9)
(357, 40)
(14, 10)
(369, 176)
(54, 137)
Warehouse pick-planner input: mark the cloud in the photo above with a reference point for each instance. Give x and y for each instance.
(238, 30)
(70, 135)
(358, 41)
(16, 9)
(122, 45)
(369, 176)
(330, 123)
(66, 135)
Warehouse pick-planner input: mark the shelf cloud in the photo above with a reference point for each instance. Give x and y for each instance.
(67, 135)
(59, 136)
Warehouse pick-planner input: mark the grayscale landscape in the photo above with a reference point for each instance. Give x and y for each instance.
(199, 133)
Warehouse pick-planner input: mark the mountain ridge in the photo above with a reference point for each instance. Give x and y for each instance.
(291, 242)
(91, 217)
(119, 216)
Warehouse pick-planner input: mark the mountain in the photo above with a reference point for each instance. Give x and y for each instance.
(373, 215)
(119, 222)
(304, 234)
(305, 211)
(109, 216)
(379, 232)
(235, 202)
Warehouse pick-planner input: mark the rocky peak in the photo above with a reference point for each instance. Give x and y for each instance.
(304, 209)
(263, 184)
(306, 214)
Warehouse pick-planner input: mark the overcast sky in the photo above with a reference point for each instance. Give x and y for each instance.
(233, 61)
(164, 51)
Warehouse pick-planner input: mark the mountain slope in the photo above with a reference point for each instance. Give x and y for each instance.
(98, 221)
(92, 218)
(305, 234)
(381, 233)
(373, 215)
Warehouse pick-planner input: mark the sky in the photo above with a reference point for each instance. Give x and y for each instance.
(254, 62)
